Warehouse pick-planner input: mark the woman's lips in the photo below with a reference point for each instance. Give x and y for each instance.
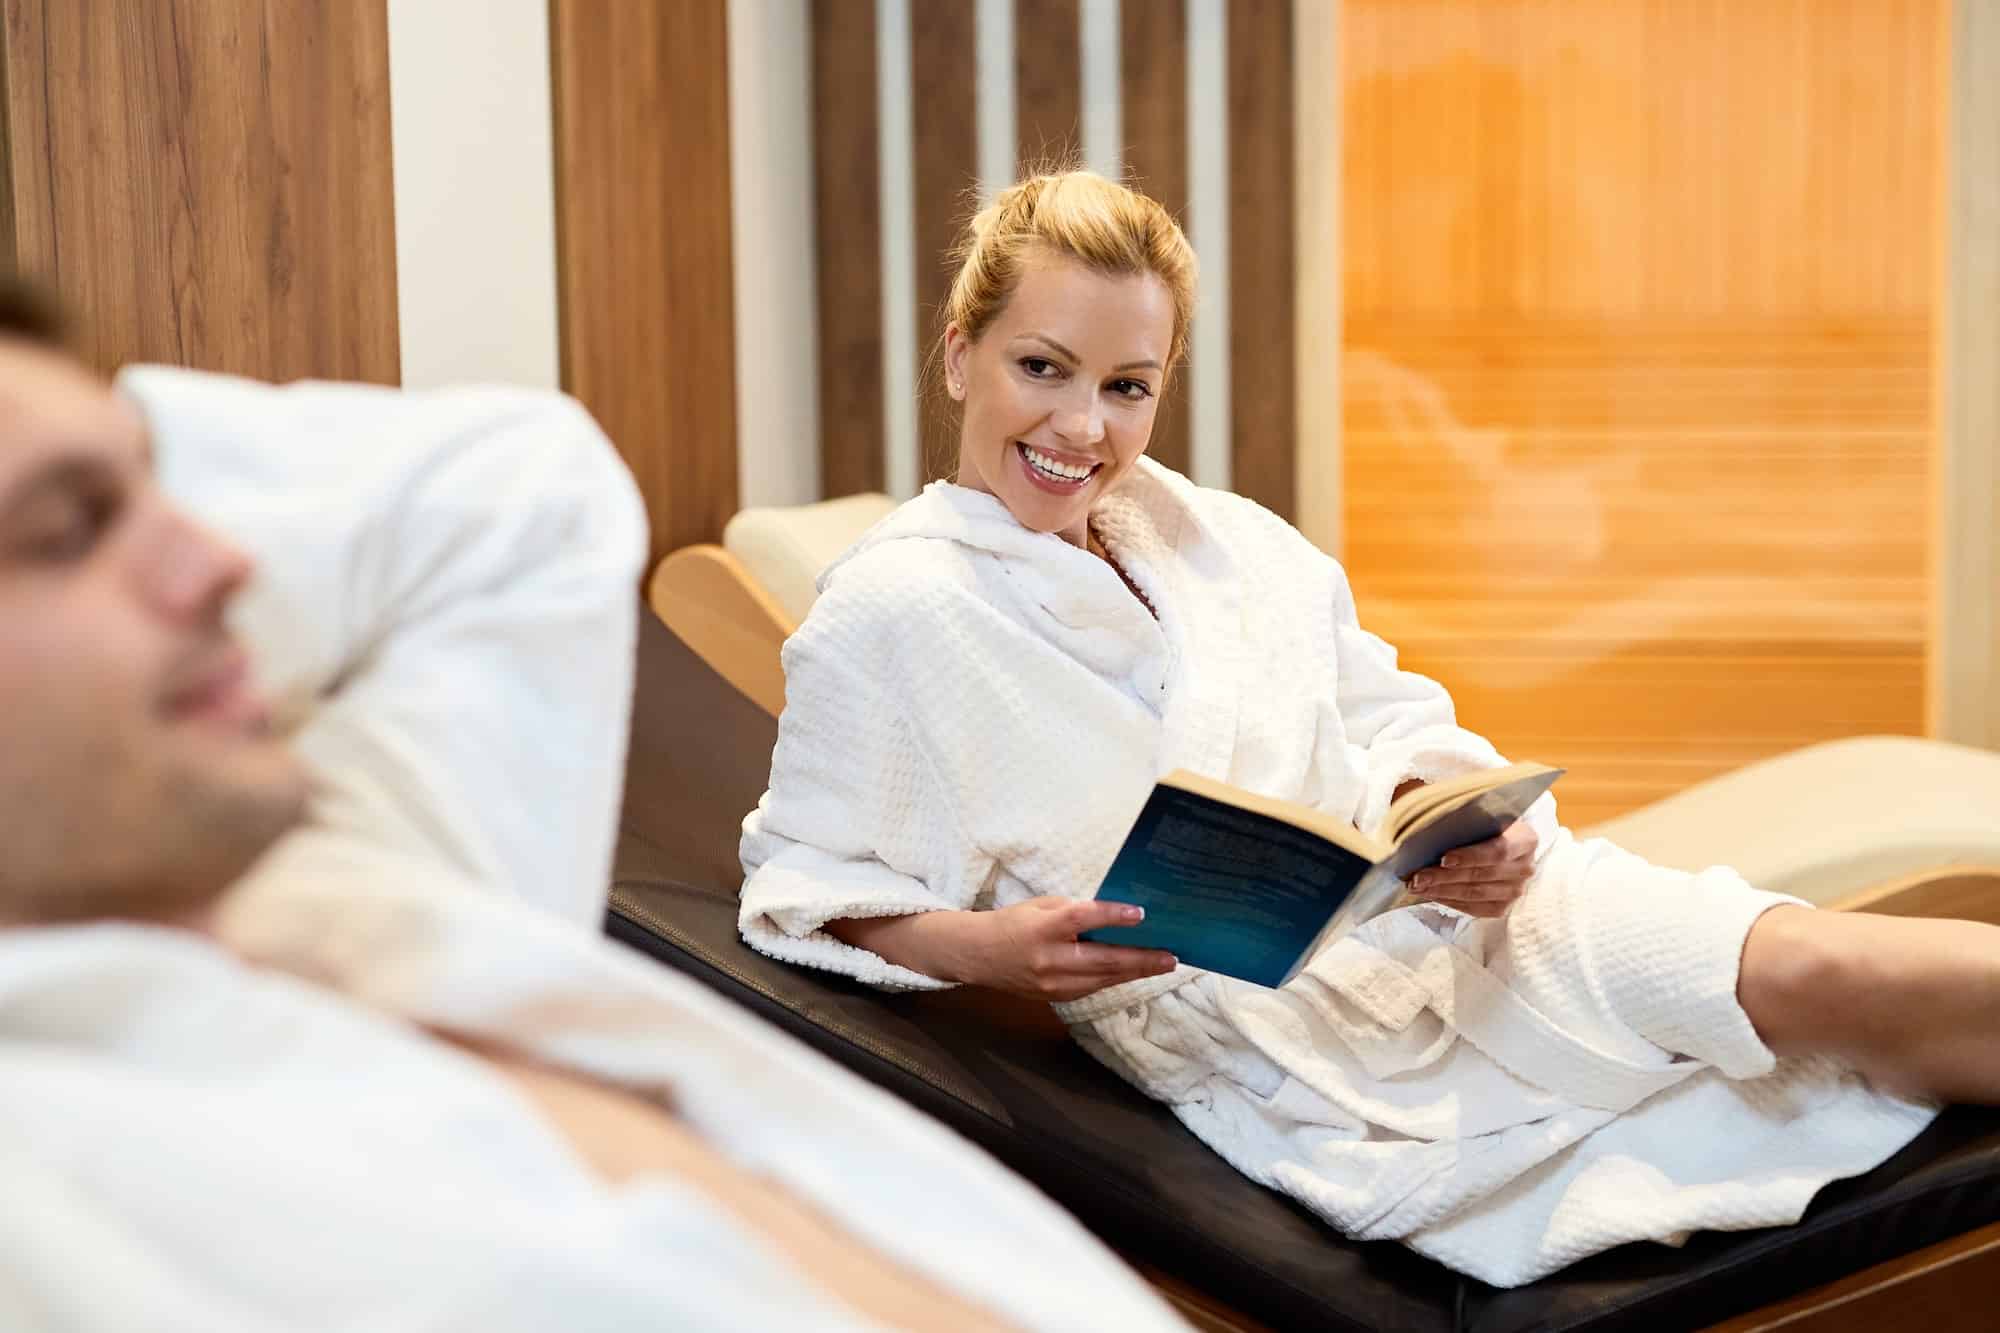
(1044, 482)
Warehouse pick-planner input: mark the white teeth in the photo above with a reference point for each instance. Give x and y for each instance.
(1052, 469)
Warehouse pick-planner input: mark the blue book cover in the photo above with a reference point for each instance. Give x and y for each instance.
(1253, 888)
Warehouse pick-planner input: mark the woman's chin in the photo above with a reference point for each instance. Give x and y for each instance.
(1045, 513)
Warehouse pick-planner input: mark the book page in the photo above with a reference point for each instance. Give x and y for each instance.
(1431, 802)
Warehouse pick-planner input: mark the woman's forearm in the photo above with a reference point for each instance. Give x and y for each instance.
(944, 945)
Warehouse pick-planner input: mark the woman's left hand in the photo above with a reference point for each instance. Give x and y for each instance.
(1483, 879)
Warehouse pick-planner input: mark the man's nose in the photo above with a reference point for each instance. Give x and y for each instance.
(195, 572)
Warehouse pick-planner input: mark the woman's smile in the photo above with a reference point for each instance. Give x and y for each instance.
(1056, 473)
(1060, 391)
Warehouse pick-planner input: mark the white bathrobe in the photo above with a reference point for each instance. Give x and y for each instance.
(975, 714)
(196, 1143)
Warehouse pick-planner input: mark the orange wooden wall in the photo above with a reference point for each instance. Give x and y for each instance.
(1636, 375)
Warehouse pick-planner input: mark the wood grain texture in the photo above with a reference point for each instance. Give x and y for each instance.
(847, 198)
(1942, 1288)
(1636, 372)
(643, 246)
(207, 182)
(1048, 84)
(1263, 397)
(714, 606)
(1966, 668)
(944, 68)
(1152, 91)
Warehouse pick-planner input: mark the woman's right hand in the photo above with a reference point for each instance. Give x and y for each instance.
(1032, 949)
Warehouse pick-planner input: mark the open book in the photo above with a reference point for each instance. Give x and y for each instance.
(1253, 887)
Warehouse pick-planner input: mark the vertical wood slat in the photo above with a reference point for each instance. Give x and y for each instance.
(944, 67)
(1965, 667)
(1263, 403)
(847, 228)
(1048, 83)
(643, 244)
(1152, 57)
(207, 182)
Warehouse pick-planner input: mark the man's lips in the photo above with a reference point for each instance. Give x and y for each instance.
(220, 693)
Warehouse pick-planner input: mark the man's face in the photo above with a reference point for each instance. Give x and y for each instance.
(138, 772)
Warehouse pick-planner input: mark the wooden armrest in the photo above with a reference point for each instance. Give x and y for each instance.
(1964, 893)
(713, 605)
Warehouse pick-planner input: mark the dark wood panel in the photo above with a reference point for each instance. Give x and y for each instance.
(944, 69)
(643, 247)
(848, 235)
(1152, 56)
(1263, 407)
(1048, 84)
(207, 182)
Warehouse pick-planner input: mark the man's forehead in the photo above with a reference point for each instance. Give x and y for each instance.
(51, 403)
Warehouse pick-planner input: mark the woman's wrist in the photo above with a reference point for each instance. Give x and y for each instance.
(945, 945)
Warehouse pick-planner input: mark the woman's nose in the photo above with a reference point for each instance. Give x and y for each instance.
(1083, 423)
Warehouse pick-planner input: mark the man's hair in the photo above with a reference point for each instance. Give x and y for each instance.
(29, 312)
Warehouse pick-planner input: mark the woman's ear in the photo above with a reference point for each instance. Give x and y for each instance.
(957, 349)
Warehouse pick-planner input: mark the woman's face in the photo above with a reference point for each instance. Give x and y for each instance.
(1060, 392)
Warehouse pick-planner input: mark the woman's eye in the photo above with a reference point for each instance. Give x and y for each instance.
(1039, 366)
(1133, 389)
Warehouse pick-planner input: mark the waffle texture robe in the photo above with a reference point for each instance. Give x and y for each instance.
(975, 714)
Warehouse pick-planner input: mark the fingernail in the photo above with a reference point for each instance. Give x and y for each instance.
(1135, 914)
(1420, 881)
(1170, 964)
(1449, 862)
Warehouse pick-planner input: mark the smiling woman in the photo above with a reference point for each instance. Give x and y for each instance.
(995, 675)
(1070, 310)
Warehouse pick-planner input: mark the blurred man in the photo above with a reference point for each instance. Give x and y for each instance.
(370, 1085)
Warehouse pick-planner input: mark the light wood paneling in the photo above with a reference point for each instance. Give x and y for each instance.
(1966, 678)
(207, 182)
(1048, 83)
(848, 232)
(643, 239)
(1152, 84)
(944, 65)
(1263, 403)
(1637, 371)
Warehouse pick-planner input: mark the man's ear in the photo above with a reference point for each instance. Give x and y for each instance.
(957, 349)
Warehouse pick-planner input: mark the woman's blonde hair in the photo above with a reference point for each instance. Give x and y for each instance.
(1078, 215)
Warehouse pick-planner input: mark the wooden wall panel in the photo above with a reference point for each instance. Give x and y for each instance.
(1048, 83)
(944, 68)
(1965, 700)
(643, 244)
(207, 182)
(848, 231)
(1152, 75)
(1637, 371)
(1263, 401)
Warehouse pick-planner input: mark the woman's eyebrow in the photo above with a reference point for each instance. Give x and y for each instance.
(1051, 342)
(1146, 364)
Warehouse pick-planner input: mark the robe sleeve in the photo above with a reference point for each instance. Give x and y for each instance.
(856, 822)
(1403, 723)
(442, 613)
